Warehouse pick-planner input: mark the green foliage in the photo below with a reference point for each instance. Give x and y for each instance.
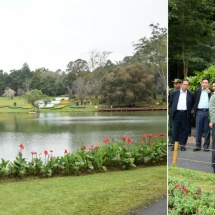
(110, 155)
(195, 81)
(186, 198)
(191, 36)
(152, 52)
(77, 67)
(84, 80)
(128, 86)
(34, 96)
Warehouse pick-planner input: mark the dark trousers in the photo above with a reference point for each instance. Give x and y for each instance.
(202, 124)
(180, 127)
(213, 146)
(170, 126)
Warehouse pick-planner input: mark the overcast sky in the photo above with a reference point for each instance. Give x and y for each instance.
(51, 33)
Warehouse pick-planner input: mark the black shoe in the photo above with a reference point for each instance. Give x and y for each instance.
(172, 149)
(206, 149)
(183, 148)
(196, 149)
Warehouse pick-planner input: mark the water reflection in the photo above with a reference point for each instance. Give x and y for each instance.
(59, 131)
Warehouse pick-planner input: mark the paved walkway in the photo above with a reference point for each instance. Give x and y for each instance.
(157, 208)
(199, 160)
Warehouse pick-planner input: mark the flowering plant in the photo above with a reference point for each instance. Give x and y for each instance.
(185, 198)
(120, 154)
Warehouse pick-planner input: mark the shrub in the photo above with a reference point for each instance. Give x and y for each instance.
(109, 155)
(185, 198)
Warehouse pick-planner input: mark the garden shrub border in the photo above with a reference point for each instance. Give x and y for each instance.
(107, 156)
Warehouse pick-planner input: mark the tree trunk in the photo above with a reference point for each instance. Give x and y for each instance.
(185, 61)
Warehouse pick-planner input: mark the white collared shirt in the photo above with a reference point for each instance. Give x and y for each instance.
(182, 101)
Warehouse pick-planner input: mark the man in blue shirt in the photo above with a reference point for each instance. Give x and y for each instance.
(200, 109)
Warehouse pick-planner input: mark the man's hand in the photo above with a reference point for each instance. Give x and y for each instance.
(210, 124)
(208, 90)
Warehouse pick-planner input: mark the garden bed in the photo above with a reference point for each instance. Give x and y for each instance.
(107, 156)
(190, 192)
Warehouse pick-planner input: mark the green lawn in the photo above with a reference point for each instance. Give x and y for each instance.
(204, 180)
(20, 102)
(111, 193)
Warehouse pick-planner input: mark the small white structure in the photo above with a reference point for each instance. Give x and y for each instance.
(49, 105)
(55, 102)
(41, 105)
(61, 98)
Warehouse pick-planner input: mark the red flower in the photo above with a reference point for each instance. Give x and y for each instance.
(177, 186)
(161, 135)
(143, 135)
(123, 138)
(197, 210)
(169, 192)
(51, 150)
(65, 151)
(90, 149)
(33, 153)
(83, 147)
(156, 135)
(149, 135)
(128, 140)
(96, 147)
(21, 146)
(106, 140)
(186, 191)
(151, 143)
(199, 191)
(45, 152)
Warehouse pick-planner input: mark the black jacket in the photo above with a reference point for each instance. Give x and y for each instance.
(174, 102)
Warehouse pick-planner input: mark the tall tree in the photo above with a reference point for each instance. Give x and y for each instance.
(130, 85)
(2, 82)
(97, 59)
(82, 88)
(17, 78)
(36, 79)
(9, 93)
(77, 67)
(191, 29)
(34, 96)
(152, 52)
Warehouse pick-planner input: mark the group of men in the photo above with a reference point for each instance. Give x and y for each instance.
(183, 104)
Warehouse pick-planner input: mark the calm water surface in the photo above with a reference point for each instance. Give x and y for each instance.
(59, 131)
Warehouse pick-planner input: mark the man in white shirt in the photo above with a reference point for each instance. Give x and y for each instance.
(181, 102)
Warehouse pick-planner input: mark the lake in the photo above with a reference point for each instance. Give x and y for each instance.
(59, 131)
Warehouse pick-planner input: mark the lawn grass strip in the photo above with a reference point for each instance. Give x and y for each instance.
(115, 192)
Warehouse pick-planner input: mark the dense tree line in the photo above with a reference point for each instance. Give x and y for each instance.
(132, 81)
(191, 37)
